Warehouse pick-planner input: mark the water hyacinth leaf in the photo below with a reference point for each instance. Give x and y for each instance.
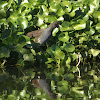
(13, 17)
(49, 51)
(86, 17)
(55, 31)
(5, 34)
(91, 32)
(82, 39)
(79, 24)
(94, 52)
(78, 90)
(98, 27)
(68, 47)
(64, 37)
(3, 4)
(68, 61)
(41, 1)
(28, 57)
(2, 13)
(61, 18)
(50, 18)
(61, 71)
(63, 83)
(26, 38)
(74, 56)
(4, 52)
(20, 33)
(49, 60)
(22, 22)
(94, 4)
(43, 26)
(23, 93)
(60, 12)
(24, 9)
(55, 47)
(68, 6)
(3, 21)
(62, 86)
(72, 14)
(59, 54)
(29, 17)
(52, 50)
(96, 14)
(66, 26)
(54, 6)
(36, 2)
(11, 97)
(40, 21)
(68, 77)
(45, 10)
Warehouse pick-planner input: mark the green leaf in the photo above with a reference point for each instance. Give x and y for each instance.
(68, 47)
(60, 12)
(68, 77)
(22, 22)
(68, 61)
(82, 39)
(54, 6)
(94, 52)
(4, 52)
(45, 10)
(98, 27)
(23, 93)
(64, 37)
(96, 14)
(55, 51)
(13, 17)
(3, 21)
(49, 60)
(94, 4)
(91, 32)
(59, 54)
(50, 18)
(67, 5)
(2, 13)
(79, 24)
(29, 17)
(40, 21)
(78, 90)
(55, 31)
(11, 97)
(62, 86)
(28, 57)
(74, 56)
(3, 4)
(72, 14)
(66, 26)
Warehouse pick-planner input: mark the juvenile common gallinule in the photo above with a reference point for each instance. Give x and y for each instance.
(42, 35)
(45, 86)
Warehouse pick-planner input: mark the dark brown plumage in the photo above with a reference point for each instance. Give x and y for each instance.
(42, 35)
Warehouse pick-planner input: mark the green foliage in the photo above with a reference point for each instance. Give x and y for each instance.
(70, 59)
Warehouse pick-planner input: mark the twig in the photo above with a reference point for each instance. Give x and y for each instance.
(79, 60)
(2, 65)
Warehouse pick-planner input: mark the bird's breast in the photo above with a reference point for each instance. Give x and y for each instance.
(44, 37)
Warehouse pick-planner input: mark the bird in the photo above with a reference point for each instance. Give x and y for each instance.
(42, 35)
(45, 86)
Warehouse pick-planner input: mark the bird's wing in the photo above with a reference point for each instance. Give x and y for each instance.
(36, 33)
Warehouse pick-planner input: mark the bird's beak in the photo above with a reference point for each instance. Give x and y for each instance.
(60, 25)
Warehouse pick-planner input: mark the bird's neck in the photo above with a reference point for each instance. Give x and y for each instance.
(50, 28)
